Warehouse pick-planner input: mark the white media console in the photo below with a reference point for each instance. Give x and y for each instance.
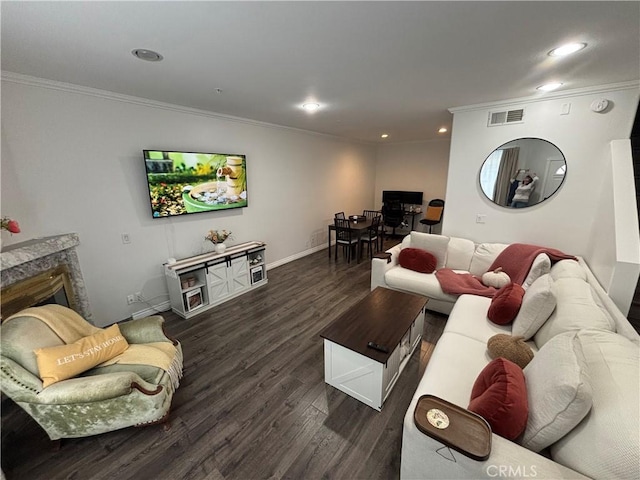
(204, 281)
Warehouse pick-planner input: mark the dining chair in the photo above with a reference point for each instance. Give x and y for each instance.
(371, 237)
(371, 214)
(346, 237)
(339, 215)
(433, 215)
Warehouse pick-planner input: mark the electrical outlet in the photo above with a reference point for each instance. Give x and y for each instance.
(481, 218)
(131, 299)
(138, 296)
(126, 238)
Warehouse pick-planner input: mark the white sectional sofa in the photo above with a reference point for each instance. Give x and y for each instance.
(585, 340)
(459, 254)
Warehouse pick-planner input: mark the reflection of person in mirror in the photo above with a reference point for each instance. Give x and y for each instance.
(524, 191)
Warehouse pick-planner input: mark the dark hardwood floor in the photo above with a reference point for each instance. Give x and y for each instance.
(253, 403)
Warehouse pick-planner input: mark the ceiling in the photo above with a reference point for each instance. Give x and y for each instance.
(375, 67)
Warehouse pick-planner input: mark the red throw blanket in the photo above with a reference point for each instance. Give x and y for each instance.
(517, 258)
(459, 283)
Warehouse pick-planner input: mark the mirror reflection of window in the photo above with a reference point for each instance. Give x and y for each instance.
(489, 174)
(507, 167)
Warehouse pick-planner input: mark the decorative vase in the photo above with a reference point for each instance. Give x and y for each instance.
(220, 247)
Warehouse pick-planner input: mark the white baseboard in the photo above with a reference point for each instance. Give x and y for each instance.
(291, 258)
(152, 310)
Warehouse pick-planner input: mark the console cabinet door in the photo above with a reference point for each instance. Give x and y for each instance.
(238, 274)
(218, 282)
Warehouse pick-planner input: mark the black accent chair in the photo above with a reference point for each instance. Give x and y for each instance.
(433, 215)
(392, 215)
(346, 237)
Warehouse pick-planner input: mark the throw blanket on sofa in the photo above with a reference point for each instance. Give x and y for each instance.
(70, 326)
(460, 283)
(517, 258)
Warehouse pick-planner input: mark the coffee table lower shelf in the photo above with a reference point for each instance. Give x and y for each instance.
(364, 378)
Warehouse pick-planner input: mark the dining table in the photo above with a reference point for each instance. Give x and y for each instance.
(360, 227)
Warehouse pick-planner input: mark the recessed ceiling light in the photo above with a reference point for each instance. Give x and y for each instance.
(311, 107)
(384, 135)
(148, 55)
(443, 130)
(549, 86)
(567, 49)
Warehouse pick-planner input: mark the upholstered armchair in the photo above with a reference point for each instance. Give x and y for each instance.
(122, 392)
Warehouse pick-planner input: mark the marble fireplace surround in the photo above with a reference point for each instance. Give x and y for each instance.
(25, 260)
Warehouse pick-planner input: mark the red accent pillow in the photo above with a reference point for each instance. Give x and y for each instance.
(499, 395)
(417, 260)
(505, 304)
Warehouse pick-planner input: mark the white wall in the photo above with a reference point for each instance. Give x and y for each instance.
(415, 167)
(573, 216)
(618, 269)
(72, 162)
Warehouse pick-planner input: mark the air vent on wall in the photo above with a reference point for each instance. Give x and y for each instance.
(506, 117)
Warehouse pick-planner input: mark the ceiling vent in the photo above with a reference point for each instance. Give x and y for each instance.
(506, 117)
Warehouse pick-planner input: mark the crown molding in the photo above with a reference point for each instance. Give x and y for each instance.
(595, 90)
(446, 138)
(29, 80)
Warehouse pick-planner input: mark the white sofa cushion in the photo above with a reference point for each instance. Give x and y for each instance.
(537, 305)
(459, 253)
(576, 309)
(606, 444)
(558, 391)
(541, 266)
(468, 318)
(567, 269)
(451, 374)
(436, 244)
(425, 284)
(484, 256)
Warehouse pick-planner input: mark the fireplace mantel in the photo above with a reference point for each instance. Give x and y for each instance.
(24, 260)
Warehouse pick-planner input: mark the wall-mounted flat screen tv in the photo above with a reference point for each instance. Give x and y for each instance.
(188, 182)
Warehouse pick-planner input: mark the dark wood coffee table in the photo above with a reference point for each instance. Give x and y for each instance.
(389, 318)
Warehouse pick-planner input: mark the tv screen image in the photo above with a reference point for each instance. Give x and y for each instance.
(401, 196)
(187, 182)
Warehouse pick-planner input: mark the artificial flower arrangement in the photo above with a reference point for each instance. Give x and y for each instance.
(217, 236)
(10, 225)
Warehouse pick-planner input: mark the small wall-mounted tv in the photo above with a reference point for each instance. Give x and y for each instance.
(188, 182)
(403, 197)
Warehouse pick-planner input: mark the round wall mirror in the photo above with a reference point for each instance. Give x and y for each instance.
(523, 173)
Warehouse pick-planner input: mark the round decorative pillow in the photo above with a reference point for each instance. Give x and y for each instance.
(513, 349)
(506, 304)
(417, 260)
(497, 278)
